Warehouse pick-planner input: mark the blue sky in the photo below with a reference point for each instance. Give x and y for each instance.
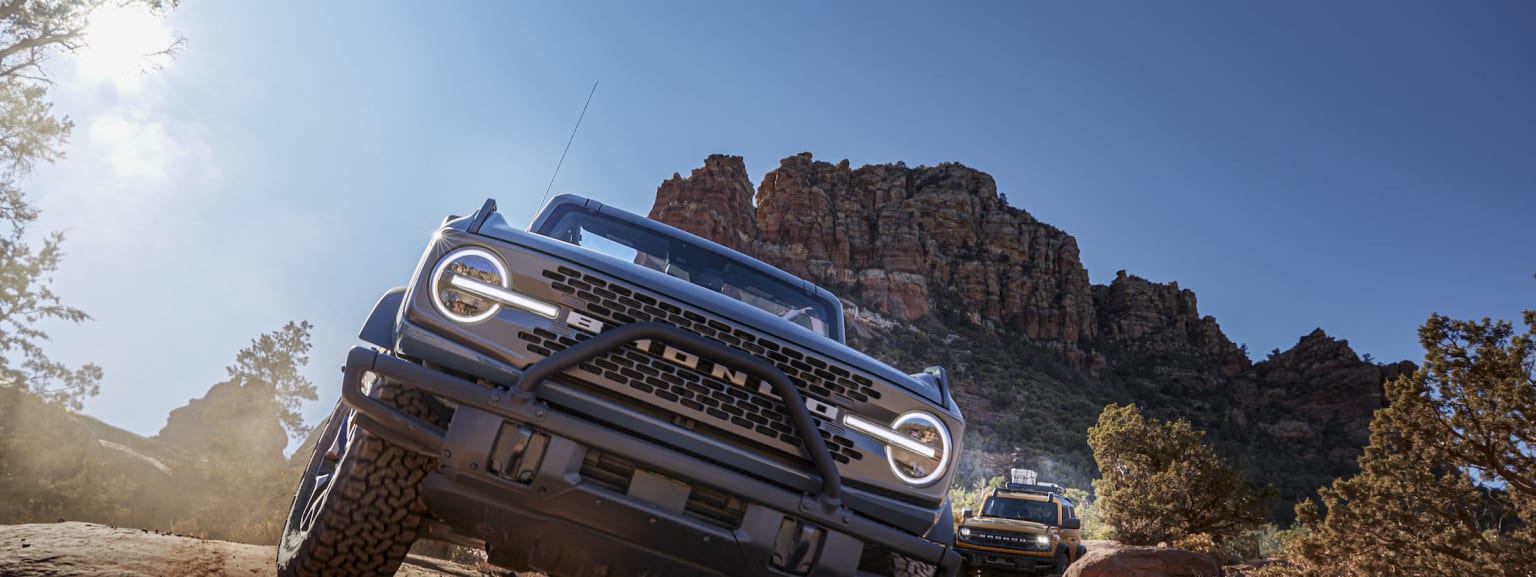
(1352, 166)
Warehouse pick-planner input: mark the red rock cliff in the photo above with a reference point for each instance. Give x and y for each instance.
(1148, 318)
(903, 238)
(714, 202)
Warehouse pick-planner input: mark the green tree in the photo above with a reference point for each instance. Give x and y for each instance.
(1447, 485)
(30, 132)
(1161, 482)
(1088, 512)
(961, 499)
(273, 362)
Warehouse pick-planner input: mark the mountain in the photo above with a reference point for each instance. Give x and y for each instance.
(935, 267)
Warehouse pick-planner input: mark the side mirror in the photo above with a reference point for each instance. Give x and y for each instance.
(1072, 524)
(967, 513)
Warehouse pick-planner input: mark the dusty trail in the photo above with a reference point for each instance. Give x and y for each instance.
(89, 550)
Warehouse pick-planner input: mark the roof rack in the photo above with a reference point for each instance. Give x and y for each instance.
(1036, 488)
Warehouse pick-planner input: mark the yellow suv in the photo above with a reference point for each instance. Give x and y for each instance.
(1027, 529)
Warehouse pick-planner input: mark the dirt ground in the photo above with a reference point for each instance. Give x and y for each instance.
(90, 550)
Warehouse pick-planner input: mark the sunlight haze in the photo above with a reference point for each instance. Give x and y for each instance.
(1295, 168)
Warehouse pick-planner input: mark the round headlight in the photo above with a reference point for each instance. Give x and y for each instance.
(473, 264)
(965, 531)
(916, 468)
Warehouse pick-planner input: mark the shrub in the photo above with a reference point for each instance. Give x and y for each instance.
(1160, 482)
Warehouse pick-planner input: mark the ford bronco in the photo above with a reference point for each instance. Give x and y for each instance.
(1024, 529)
(602, 394)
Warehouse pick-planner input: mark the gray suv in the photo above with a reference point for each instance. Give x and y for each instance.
(602, 394)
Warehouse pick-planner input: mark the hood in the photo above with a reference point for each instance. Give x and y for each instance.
(1004, 524)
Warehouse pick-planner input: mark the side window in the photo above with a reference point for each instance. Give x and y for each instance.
(1070, 514)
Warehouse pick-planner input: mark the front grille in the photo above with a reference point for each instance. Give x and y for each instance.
(694, 394)
(1020, 541)
(619, 306)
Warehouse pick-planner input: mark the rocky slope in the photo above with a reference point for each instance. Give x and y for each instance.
(938, 268)
(216, 470)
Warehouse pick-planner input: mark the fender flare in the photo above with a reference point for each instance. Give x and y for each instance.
(379, 329)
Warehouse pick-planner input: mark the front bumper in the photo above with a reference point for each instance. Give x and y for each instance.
(549, 516)
(989, 559)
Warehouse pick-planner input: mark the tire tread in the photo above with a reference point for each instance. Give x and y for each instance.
(374, 510)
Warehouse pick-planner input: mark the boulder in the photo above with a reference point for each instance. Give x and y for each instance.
(1109, 559)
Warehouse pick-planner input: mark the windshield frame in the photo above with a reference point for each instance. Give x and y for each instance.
(762, 281)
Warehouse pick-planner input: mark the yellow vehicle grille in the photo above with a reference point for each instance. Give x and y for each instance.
(1020, 541)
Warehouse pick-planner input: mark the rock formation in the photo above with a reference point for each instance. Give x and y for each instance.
(238, 420)
(902, 239)
(715, 200)
(1324, 381)
(1147, 318)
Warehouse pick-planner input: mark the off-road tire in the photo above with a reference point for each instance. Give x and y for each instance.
(904, 566)
(369, 513)
(1062, 561)
(881, 561)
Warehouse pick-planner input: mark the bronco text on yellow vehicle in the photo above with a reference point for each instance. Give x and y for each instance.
(1024, 529)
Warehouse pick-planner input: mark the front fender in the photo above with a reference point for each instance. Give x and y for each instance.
(943, 532)
(379, 329)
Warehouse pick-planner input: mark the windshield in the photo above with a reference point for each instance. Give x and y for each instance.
(1023, 510)
(717, 271)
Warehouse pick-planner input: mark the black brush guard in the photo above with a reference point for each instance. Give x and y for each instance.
(473, 498)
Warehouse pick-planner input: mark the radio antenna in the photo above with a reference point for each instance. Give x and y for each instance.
(568, 144)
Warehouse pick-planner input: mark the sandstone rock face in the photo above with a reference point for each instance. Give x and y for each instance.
(1324, 380)
(901, 238)
(1129, 561)
(714, 202)
(903, 241)
(1152, 318)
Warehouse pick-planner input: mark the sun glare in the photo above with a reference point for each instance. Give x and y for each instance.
(124, 44)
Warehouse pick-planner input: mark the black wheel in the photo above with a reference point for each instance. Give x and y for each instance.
(358, 507)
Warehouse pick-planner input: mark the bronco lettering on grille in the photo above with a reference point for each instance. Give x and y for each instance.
(685, 359)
